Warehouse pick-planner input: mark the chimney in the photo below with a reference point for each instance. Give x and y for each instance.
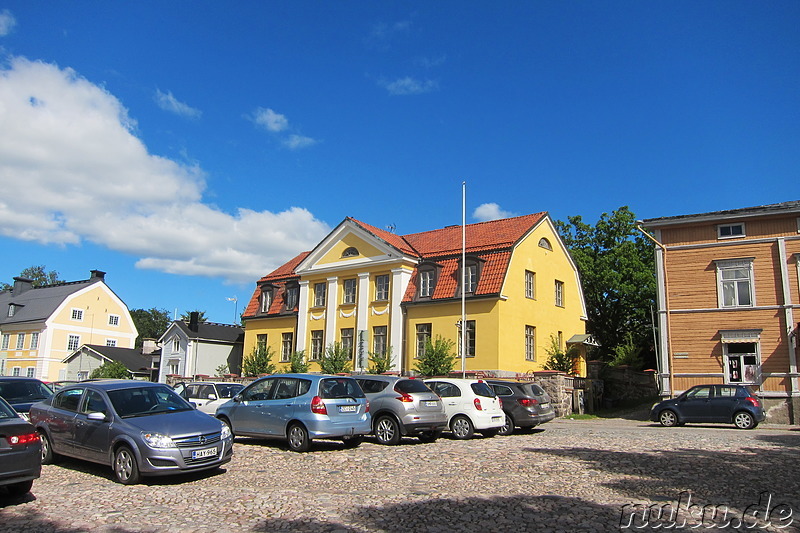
(99, 274)
(194, 318)
(21, 285)
(149, 346)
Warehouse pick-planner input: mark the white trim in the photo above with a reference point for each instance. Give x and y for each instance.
(745, 263)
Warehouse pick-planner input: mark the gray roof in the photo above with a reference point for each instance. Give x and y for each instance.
(211, 331)
(761, 210)
(38, 303)
(130, 357)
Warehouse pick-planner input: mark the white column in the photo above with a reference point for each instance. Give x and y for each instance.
(362, 314)
(400, 280)
(330, 311)
(302, 317)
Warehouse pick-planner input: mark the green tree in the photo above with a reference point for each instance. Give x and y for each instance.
(201, 316)
(561, 360)
(222, 369)
(617, 268)
(258, 362)
(336, 359)
(438, 359)
(627, 353)
(297, 363)
(151, 323)
(381, 362)
(111, 369)
(38, 274)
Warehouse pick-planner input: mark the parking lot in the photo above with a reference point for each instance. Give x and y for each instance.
(567, 476)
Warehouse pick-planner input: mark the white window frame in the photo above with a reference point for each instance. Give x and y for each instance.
(470, 345)
(349, 291)
(317, 344)
(287, 342)
(111, 343)
(559, 293)
(748, 375)
(30, 372)
(266, 300)
(113, 320)
(290, 295)
(382, 287)
(530, 284)
(319, 294)
(721, 228)
(76, 314)
(20, 341)
(379, 336)
(35, 340)
(348, 340)
(530, 343)
(11, 310)
(5, 342)
(426, 283)
(421, 337)
(734, 283)
(73, 340)
(16, 371)
(176, 344)
(471, 278)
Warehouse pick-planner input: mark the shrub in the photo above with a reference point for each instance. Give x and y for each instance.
(561, 360)
(297, 363)
(336, 359)
(258, 362)
(438, 359)
(112, 369)
(380, 362)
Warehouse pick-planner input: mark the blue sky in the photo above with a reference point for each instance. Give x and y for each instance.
(187, 148)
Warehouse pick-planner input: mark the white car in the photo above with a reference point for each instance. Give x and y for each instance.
(471, 405)
(208, 395)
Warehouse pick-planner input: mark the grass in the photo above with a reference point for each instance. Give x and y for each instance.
(586, 416)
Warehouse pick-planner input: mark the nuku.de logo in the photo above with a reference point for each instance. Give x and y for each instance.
(683, 514)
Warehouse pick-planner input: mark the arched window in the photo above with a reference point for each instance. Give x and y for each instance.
(544, 243)
(350, 252)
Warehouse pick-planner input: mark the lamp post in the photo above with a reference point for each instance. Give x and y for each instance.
(235, 301)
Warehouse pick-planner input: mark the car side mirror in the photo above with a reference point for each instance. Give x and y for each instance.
(237, 398)
(97, 417)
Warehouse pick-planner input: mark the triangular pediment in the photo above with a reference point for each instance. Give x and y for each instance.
(350, 245)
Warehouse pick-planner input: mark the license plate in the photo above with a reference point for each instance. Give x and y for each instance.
(348, 408)
(545, 405)
(496, 418)
(431, 403)
(208, 452)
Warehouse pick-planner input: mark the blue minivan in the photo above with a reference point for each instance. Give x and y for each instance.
(299, 408)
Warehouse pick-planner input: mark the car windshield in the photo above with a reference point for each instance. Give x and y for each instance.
(24, 391)
(334, 388)
(411, 385)
(6, 411)
(229, 390)
(147, 401)
(482, 389)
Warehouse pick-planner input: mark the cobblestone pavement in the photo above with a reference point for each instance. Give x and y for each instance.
(566, 476)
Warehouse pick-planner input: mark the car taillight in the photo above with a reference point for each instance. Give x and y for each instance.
(318, 406)
(405, 397)
(477, 403)
(754, 401)
(527, 402)
(367, 408)
(19, 440)
(500, 402)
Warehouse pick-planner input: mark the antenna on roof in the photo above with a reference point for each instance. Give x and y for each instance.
(391, 227)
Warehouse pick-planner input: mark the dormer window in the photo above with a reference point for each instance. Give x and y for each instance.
(12, 309)
(427, 282)
(350, 252)
(471, 275)
(266, 299)
(290, 296)
(544, 243)
(727, 231)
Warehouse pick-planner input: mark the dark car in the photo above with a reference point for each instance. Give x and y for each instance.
(726, 404)
(20, 452)
(525, 404)
(22, 392)
(136, 427)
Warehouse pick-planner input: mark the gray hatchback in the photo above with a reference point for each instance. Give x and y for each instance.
(525, 404)
(136, 427)
(403, 406)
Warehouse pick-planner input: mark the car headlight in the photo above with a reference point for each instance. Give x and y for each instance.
(157, 440)
(226, 431)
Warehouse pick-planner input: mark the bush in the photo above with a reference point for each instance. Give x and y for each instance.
(297, 363)
(438, 359)
(627, 353)
(336, 359)
(560, 360)
(380, 362)
(258, 362)
(112, 369)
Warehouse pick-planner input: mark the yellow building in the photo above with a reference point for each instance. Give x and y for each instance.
(372, 290)
(41, 326)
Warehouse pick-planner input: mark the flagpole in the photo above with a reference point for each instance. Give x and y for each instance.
(463, 279)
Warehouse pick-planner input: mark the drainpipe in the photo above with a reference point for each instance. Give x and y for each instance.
(788, 317)
(668, 347)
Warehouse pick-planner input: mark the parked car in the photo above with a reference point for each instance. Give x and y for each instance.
(23, 392)
(57, 385)
(470, 404)
(20, 451)
(300, 408)
(403, 406)
(208, 395)
(727, 404)
(138, 428)
(525, 404)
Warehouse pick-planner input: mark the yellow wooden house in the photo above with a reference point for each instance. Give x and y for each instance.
(372, 290)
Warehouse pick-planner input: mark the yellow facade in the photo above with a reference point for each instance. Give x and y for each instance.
(350, 256)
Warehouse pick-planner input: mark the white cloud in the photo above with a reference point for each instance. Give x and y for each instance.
(72, 170)
(490, 211)
(7, 22)
(270, 120)
(168, 102)
(296, 142)
(409, 85)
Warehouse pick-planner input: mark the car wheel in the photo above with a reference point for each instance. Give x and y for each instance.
(227, 422)
(462, 428)
(744, 420)
(507, 428)
(49, 457)
(126, 469)
(668, 418)
(353, 442)
(429, 436)
(387, 431)
(298, 438)
(19, 489)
